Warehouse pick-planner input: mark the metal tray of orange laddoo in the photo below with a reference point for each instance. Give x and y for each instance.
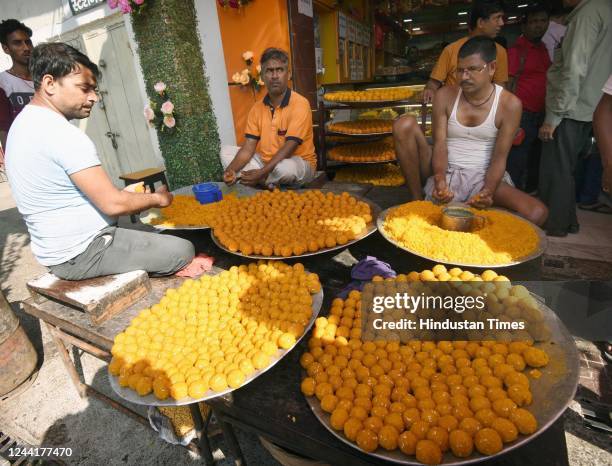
(379, 103)
(370, 228)
(534, 254)
(150, 400)
(361, 162)
(552, 393)
(358, 135)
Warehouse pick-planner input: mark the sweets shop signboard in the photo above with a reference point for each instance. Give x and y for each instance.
(80, 6)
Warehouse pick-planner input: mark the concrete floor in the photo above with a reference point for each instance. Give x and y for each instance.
(50, 413)
(593, 242)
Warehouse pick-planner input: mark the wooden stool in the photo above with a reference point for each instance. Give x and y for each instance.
(100, 297)
(149, 177)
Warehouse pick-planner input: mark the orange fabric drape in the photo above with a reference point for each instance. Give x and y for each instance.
(255, 27)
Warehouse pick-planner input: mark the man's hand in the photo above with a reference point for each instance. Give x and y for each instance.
(163, 197)
(137, 188)
(606, 180)
(441, 192)
(253, 177)
(229, 176)
(482, 200)
(428, 95)
(546, 132)
(430, 90)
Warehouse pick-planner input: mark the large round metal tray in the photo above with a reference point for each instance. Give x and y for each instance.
(371, 228)
(538, 252)
(365, 162)
(382, 103)
(552, 393)
(148, 215)
(358, 135)
(150, 400)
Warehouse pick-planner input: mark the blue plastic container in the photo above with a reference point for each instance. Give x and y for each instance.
(206, 193)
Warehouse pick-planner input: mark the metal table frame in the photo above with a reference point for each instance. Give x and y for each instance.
(66, 331)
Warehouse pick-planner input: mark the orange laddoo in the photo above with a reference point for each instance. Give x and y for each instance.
(289, 223)
(422, 397)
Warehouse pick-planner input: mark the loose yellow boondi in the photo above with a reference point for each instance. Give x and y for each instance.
(187, 211)
(502, 240)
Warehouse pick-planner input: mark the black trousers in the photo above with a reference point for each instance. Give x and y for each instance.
(557, 168)
(518, 164)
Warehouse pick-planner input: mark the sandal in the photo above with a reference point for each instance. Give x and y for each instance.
(597, 207)
(606, 350)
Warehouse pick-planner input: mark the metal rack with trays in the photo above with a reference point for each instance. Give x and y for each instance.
(325, 107)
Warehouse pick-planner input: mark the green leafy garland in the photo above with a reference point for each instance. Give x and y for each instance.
(169, 51)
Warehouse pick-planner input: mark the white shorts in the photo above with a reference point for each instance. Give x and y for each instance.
(463, 183)
(291, 171)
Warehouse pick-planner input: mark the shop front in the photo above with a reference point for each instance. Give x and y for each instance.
(387, 48)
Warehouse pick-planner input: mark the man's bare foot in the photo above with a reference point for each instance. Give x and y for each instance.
(199, 265)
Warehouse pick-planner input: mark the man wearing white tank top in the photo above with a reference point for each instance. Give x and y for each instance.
(473, 128)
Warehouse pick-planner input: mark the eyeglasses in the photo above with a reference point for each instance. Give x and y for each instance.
(471, 70)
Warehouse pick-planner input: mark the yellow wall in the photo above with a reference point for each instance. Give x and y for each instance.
(328, 32)
(257, 26)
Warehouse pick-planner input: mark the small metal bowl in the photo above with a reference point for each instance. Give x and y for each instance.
(461, 219)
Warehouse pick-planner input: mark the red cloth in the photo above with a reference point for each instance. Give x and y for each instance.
(531, 85)
(200, 264)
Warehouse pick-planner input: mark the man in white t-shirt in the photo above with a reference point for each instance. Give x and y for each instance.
(15, 83)
(66, 198)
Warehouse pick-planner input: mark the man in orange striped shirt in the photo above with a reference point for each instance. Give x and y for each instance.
(279, 147)
(486, 19)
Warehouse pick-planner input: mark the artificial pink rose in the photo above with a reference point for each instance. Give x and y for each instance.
(167, 107)
(112, 4)
(160, 87)
(149, 114)
(169, 121)
(124, 6)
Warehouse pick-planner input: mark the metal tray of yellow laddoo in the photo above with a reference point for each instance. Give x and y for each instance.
(552, 393)
(370, 228)
(358, 135)
(150, 400)
(149, 216)
(534, 254)
(361, 162)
